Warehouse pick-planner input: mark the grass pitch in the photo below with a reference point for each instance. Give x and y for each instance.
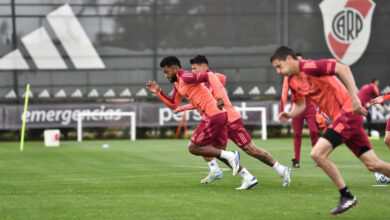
(160, 179)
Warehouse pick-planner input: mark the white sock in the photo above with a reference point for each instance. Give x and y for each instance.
(226, 155)
(245, 174)
(213, 166)
(278, 168)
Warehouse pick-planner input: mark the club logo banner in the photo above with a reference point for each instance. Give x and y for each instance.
(347, 27)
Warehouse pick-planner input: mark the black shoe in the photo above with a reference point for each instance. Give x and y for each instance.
(344, 204)
(295, 164)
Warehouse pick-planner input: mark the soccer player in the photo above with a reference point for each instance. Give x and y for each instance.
(315, 80)
(236, 133)
(309, 114)
(380, 100)
(210, 136)
(366, 93)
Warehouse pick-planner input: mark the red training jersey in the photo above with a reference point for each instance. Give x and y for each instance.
(189, 85)
(317, 82)
(367, 92)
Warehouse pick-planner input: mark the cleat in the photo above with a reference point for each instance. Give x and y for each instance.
(235, 162)
(295, 164)
(344, 204)
(247, 184)
(212, 177)
(286, 176)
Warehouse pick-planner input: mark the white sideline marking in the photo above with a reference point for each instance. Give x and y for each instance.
(379, 185)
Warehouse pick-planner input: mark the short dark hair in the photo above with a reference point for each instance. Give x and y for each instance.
(199, 59)
(298, 54)
(373, 80)
(282, 52)
(170, 61)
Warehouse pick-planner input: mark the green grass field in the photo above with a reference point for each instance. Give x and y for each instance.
(160, 179)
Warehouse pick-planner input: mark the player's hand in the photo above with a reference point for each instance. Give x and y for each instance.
(220, 103)
(284, 116)
(175, 111)
(153, 86)
(377, 100)
(358, 108)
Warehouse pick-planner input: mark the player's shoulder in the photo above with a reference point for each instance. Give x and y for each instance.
(314, 64)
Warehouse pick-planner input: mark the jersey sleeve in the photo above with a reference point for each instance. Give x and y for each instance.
(171, 102)
(284, 96)
(318, 68)
(221, 78)
(193, 78)
(216, 86)
(185, 108)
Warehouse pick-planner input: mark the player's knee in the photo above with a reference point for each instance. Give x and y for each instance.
(315, 155)
(193, 149)
(313, 133)
(298, 135)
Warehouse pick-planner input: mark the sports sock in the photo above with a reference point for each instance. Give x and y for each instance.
(245, 174)
(226, 155)
(278, 168)
(213, 166)
(346, 193)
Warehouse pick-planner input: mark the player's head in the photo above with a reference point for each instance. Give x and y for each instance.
(285, 61)
(299, 55)
(375, 81)
(170, 66)
(199, 64)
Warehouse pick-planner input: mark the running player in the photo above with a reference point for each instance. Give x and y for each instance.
(380, 100)
(366, 93)
(316, 80)
(236, 133)
(309, 115)
(210, 136)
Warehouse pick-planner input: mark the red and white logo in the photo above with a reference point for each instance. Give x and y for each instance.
(347, 27)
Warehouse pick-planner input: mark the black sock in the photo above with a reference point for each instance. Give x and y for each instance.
(345, 192)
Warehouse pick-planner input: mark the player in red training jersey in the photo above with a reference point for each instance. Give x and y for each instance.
(309, 115)
(380, 100)
(210, 136)
(316, 80)
(366, 93)
(236, 132)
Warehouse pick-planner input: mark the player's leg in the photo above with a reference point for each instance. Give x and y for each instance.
(204, 135)
(313, 129)
(297, 124)
(374, 164)
(368, 118)
(320, 155)
(248, 181)
(387, 134)
(238, 134)
(215, 172)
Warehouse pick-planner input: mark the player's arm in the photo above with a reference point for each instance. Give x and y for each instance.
(297, 108)
(380, 99)
(346, 75)
(184, 108)
(284, 96)
(172, 102)
(217, 89)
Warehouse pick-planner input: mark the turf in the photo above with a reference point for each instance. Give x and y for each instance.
(159, 179)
